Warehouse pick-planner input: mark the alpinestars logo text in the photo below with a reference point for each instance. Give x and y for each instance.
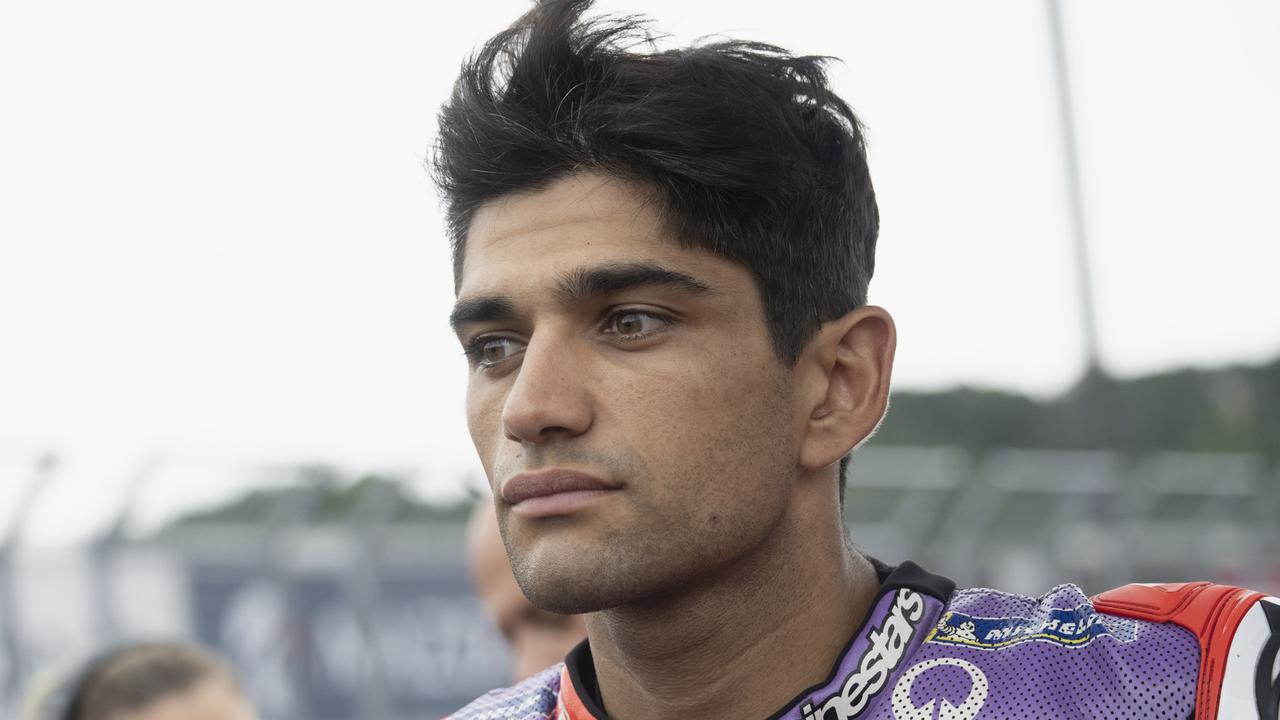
(887, 645)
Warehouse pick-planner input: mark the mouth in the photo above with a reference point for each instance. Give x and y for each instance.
(554, 491)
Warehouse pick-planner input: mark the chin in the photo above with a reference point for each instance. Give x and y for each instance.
(573, 584)
(581, 593)
(569, 603)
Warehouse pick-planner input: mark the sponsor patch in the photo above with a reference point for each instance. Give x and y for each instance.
(1074, 627)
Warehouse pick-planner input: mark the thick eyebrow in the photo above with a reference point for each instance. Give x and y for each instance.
(590, 282)
(481, 309)
(581, 284)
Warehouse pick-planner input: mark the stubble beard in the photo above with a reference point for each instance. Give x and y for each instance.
(640, 568)
(674, 549)
(675, 543)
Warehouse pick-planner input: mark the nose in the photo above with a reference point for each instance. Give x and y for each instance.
(549, 398)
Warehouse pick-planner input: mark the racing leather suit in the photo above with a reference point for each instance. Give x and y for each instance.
(926, 651)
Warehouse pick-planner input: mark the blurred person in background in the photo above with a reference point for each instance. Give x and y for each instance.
(538, 639)
(661, 262)
(148, 681)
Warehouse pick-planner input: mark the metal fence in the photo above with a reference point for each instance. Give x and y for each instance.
(373, 618)
(1024, 520)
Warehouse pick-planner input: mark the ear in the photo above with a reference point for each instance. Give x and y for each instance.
(849, 361)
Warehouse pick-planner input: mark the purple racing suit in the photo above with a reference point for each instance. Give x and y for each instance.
(927, 651)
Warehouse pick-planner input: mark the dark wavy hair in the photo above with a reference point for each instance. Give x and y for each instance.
(748, 152)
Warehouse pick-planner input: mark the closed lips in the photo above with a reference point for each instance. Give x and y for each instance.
(549, 482)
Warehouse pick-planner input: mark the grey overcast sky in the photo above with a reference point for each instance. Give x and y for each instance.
(218, 243)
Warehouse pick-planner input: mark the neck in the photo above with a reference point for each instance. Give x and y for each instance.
(741, 643)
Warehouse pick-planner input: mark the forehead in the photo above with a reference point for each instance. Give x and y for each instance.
(573, 222)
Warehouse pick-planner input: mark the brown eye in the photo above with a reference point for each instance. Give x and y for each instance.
(629, 324)
(496, 350)
(634, 323)
(491, 351)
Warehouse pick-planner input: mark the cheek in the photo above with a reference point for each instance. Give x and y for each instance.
(484, 420)
(722, 425)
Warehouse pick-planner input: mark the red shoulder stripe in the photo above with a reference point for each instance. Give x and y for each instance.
(1212, 612)
(570, 706)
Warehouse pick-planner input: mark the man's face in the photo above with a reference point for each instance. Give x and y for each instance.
(636, 427)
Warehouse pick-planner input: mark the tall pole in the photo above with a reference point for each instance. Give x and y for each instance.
(1075, 194)
(1099, 414)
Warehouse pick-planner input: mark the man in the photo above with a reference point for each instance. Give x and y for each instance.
(538, 639)
(661, 264)
(151, 681)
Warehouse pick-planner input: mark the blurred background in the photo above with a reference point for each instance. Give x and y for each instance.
(231, 407)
